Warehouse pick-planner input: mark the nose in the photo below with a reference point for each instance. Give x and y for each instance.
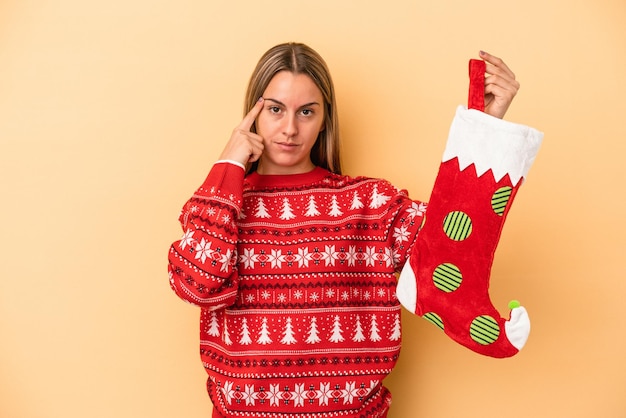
(290, 126)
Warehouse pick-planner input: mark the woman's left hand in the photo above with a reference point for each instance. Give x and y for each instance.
(500, 86)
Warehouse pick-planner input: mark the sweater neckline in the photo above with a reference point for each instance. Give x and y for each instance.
(286, 180)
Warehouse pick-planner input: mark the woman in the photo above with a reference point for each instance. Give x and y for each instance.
(293, 264)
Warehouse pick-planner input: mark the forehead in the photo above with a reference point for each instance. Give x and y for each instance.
(293, 89)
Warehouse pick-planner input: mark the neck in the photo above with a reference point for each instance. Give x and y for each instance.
(259, 180)
(264, 169)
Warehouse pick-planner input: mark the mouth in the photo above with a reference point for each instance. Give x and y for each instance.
(287, 144)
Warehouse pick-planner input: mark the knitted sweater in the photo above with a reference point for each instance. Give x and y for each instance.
(296, 277)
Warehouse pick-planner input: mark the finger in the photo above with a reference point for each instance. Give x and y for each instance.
(248, 120)
(496, 65)
(500, 93)
(254, 157)
(256, 151)
(241, 145)
(499, 75)
(502, 82)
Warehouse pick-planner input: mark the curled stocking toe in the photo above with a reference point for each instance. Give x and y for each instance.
(518, 327)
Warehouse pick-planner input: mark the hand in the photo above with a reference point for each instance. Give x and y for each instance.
(245, 146)
(500, 86)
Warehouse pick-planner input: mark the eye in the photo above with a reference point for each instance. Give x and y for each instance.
(306, 112)
(274, 109)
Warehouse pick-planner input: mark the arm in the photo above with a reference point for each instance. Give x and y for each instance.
(202, 263)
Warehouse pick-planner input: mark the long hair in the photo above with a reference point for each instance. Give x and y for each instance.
(299, 58)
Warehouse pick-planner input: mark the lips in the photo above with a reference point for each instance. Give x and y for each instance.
(286, 145)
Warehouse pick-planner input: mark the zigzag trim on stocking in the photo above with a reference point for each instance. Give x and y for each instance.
(508, 148)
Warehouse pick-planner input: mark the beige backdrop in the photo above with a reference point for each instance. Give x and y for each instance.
(112, 112)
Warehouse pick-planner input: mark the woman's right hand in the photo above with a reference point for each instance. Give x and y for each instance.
(244, 145)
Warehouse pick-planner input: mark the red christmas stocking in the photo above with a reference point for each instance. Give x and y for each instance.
(446, 279)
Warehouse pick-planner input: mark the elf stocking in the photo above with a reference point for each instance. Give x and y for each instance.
(446, 279)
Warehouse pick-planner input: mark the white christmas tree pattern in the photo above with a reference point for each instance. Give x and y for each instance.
(264, 335)
(377, 199)
(245, 333)
(288, 334)
(261, 210)
(312, 334)
(226, 334)
(214, 328)
(336, 336)
(374, 336)
(313, 337)
(286, 211)
(396, 330)
(334, 207)
(358, 331)
(312, 207)
(356, 201)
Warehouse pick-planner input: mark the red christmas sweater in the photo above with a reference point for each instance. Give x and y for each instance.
(296, 279)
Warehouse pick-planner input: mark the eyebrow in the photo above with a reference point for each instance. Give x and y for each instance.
(282, 104)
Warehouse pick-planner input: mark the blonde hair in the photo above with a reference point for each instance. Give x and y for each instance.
(299, 58)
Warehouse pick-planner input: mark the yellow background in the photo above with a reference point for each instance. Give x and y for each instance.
(112, 112)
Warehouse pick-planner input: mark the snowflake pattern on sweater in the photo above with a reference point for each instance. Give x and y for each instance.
(296, 277)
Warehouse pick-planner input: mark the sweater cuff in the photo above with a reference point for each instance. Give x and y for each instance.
(492, 144)
(237, 163)
(224, 183)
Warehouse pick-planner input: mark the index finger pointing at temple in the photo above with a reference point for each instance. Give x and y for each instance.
(248, 120)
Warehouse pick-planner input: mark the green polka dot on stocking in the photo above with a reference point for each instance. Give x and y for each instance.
(500, 199)
(433, 318)
(484, 330)
(457, 225)
(447, 277)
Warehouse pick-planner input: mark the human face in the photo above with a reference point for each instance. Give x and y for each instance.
(291, 119)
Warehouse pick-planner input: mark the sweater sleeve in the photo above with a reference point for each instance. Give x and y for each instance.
(446, 279)
(202, 264)
(405, 217)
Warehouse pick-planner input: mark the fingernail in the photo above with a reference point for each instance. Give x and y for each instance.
(482, 52)
(260, 99)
